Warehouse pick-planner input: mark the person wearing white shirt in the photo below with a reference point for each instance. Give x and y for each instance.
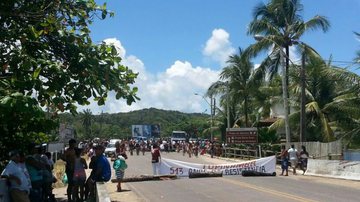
(293, 157)
(19, 183)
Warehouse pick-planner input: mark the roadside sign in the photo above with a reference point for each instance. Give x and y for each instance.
(241, 136)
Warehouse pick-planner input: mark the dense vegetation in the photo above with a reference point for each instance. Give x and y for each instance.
(119, 125)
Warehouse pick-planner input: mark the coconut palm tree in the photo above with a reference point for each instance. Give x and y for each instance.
(333, 98)
(238, 84)
(281, 26)
(357, 58)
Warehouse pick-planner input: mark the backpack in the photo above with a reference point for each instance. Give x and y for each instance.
(119, 164)
(123, 165)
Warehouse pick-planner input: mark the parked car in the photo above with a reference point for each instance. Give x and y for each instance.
(110, 150)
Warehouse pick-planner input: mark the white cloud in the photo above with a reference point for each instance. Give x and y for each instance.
(120, 49)
(294, 55)
(218, 47)
(171, 90)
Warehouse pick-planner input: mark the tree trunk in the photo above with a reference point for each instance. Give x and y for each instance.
(246, 111)
(285, 98)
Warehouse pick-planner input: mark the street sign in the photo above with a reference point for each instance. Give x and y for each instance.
(241, 136)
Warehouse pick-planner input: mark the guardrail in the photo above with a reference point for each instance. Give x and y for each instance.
(254, 154)
(247, 153)
(240, 153)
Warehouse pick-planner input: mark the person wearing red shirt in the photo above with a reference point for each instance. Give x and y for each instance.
(156, 159)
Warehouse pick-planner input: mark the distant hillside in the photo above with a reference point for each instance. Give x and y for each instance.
(119, 125)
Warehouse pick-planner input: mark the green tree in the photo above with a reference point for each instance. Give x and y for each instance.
(47, 58)
(281, 26)
(332, 96)
(239, 82)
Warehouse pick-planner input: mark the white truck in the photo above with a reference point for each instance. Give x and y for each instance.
(177, 136)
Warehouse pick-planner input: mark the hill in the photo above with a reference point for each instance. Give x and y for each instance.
(118, 125)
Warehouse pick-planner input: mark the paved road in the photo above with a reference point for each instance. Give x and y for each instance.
(227, 188)
(230, 188)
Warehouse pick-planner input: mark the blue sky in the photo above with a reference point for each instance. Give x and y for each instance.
(179, 46)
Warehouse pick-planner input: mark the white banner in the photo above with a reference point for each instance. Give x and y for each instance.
(182, 169)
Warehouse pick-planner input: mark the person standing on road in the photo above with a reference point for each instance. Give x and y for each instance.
(156, 159)
(304, 155)
(293, 156)
(212, 149)
(119, 167)
(284, 161)
(143, 147)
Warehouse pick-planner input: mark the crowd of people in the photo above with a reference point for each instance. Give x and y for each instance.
(30, 175)
(80, 187)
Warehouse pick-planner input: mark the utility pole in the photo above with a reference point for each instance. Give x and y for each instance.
(228, 106)
(212, 108)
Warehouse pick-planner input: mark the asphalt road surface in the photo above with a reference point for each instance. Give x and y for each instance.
(234, 188)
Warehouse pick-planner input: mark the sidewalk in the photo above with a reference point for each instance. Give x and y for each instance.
(126, 195)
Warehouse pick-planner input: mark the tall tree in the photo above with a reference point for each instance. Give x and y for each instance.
(47, 52)
(333, 98)
(238, 84)
(281, 26)
(47, 58)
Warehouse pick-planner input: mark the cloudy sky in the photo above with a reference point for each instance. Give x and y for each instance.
(179, 47)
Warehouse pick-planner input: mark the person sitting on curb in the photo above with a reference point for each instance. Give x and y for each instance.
(101, 171)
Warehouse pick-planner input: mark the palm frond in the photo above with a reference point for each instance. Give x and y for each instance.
(317, 22)
(327, 132)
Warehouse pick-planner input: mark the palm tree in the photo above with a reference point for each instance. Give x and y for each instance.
(333, 98)
(357, 58)
(87, 121)
(238, 84)
(281, 27)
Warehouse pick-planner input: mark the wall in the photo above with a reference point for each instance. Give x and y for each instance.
(352, 155)
(334, 168)
(319, 150)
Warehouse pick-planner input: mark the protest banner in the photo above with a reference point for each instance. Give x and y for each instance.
(182, 169)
